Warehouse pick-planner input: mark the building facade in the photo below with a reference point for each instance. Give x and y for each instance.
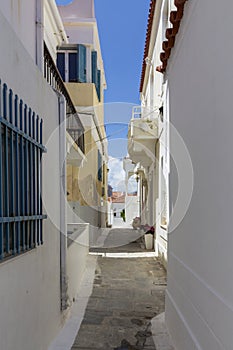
(132, 200)
(199, 294)
(81, 66)
(41, 137)
(148, 139)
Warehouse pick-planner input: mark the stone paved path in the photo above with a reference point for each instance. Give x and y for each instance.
(122, 241)
(127, 294)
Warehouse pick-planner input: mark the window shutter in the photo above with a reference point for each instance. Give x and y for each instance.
(61, 64)
(73, 67)
(98, 87)
(94, 66)
(99, 166)
(81, 64)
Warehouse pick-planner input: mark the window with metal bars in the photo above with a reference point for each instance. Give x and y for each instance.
(21, 149)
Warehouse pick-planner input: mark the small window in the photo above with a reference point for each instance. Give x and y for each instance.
(21, 148)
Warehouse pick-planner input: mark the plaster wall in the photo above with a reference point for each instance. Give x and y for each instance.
(30, 283)
(77, 251)
(21, 15)
(131, 208)
(199, 310)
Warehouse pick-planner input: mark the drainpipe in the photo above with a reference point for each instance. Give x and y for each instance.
(58, 20)
(39, 33)
(63, 218)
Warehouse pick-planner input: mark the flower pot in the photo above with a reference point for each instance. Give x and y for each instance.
(149, 241)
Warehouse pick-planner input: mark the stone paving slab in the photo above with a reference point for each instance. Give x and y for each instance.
(126, 296)
(160, 334)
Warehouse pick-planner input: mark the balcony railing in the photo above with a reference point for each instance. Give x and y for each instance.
(143, 129)
(142, 135)
(149, 113)
(53, 77)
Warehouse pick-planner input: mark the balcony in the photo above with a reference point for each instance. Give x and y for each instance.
(85, 99)
(142, 135)
(53, 77)
(83, 94)
(74, 155)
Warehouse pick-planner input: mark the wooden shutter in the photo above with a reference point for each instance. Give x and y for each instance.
(99, 166)
(82, 64)
(61, 64)
(73, 67)
(94, 67)
(98, 86)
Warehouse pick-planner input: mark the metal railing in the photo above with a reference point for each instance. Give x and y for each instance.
(142, 112)
(21, 149)
(53, 77)
(137, 112)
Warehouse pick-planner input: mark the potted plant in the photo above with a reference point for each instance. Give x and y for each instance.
(149, 236)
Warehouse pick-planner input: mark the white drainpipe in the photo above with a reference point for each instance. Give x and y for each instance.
(39, 33)
(63, 216)
(58, 21)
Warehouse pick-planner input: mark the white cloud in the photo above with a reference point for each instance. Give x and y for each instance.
(116, 176)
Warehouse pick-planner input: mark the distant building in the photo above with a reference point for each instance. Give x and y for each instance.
(132, 201)
(118, 203)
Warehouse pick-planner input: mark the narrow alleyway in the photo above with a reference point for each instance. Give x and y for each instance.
(127, 294)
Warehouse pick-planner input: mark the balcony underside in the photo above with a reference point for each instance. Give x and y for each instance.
(142, 151)
(142, 137)
(74, 156)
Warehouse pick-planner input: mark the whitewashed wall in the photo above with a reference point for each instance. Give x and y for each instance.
(131, 208)
(54, 32)
(30, 284)
(154, 96)
(77, 251)
(22, 15)
(199, 310)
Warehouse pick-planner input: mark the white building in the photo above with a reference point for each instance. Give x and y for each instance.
(132, 200)
(40, 268)
(148, 136)
(196, 87)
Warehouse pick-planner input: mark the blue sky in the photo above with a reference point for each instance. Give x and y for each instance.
(122, 29)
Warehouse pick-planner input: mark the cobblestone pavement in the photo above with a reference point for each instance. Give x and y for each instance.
(127, 294)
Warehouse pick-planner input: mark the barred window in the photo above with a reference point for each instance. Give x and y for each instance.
(21, 149)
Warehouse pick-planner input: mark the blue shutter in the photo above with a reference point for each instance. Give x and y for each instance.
(72, 67)
(61, 64)
(99, 166)
(94, 66)
(98, 87)
(82, 64)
